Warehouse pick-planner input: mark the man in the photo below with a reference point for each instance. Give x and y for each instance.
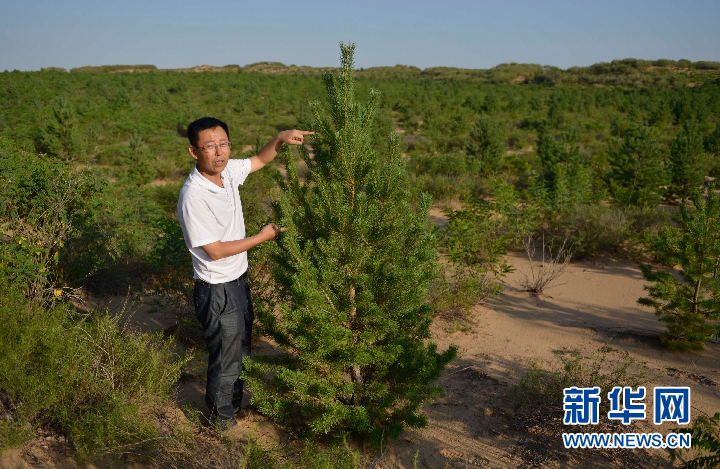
(211, 217)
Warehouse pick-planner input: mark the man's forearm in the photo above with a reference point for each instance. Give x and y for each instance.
(269, 151)
(222, 249)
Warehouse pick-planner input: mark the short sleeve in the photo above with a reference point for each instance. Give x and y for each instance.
(239, 170)
(199, 223)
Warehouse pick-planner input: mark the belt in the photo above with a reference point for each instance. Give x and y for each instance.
(203, 283)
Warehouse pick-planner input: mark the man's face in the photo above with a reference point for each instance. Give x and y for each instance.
(211, 162)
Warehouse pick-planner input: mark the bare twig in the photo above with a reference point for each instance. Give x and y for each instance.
(382, 454)
(542, 275)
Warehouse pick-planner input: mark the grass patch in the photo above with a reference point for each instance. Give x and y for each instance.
(597, 230)
(84, 377)
(454, 296)
(539, 395)
(539, 413)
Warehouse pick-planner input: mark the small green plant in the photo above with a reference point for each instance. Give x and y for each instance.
(605, 367)
(597, 229)
(689, 306)
(711, 143)
(565, 180)
(487, 146)
(705, 433)
(62, 136)
(138, 163)
(476, 239)
(41, 203)
(455, 294)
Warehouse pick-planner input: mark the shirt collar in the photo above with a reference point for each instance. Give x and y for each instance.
(204, 182)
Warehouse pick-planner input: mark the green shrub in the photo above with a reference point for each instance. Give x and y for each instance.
(481, 233)
(688, 160)
(595, 229)
(453, 296)
(41, 203)
(63, 228)
(486, 146)
(87, 378)
(62, 136)
(139, 167)
(475, 241)
(711, 142)
(566, 178)
(598, 229)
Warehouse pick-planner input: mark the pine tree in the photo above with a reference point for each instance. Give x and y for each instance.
(487, 145)
(688, 160)
(352, 273)
(711, 142)
(689, 307)
(138, 162)
(638, 170)
(62, 137)
(566, 180)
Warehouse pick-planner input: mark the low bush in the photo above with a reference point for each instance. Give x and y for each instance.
(62, 228)
(40, 205)
(453, 296)
(540, 391)
(476, 239)
(84, 377)
(596, 230)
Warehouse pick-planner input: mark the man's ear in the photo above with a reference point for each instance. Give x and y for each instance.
(191, 149)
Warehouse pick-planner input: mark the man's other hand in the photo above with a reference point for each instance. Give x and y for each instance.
(221, 249)
(270, 230)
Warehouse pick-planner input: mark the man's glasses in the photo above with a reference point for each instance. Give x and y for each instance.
(211, 147)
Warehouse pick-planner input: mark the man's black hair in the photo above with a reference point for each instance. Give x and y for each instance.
(201, 124)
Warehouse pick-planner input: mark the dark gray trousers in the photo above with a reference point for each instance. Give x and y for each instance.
(226, 315)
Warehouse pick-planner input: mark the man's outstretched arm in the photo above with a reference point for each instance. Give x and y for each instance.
(270, 150)
(222, 249)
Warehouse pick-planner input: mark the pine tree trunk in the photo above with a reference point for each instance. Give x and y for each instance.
(355, 372)
(695, 296)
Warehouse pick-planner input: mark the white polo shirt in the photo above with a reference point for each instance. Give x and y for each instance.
(209, 213)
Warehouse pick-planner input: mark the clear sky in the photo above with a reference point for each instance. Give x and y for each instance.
(454, 33)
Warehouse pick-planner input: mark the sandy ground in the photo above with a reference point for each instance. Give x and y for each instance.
(472, 424)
